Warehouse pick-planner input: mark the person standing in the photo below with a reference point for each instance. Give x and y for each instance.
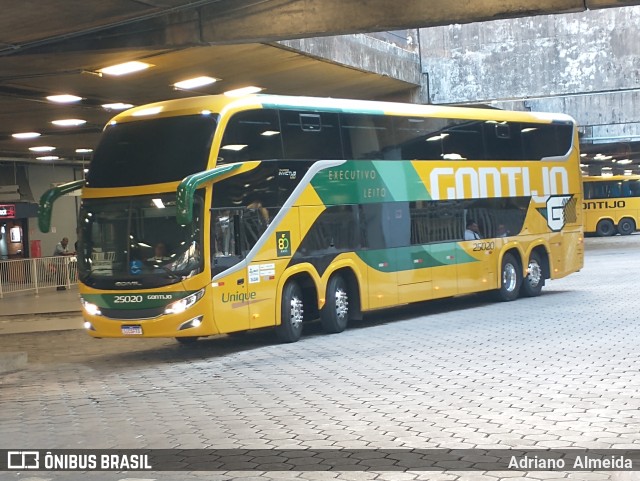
(60, 265)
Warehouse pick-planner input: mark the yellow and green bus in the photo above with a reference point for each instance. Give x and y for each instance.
(215, 215)
(611, 204)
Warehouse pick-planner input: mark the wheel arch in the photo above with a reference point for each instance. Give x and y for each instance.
(307, 277)
(353, 278)
(541, 248)
(514, 249)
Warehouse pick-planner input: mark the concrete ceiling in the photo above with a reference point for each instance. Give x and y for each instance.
(56, 46)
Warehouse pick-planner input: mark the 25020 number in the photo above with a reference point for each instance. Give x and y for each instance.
(127, 299)
(484, 246)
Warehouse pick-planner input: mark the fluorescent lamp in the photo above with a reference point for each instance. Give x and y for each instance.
(606, 168)
(269, 133)
(48, 157)
(42, 148)
(64, 98)
(195, 82)
(243, 91)
(149, 111)
(625, 161)
(158, 203)
(26, 135)
(583, 155)
(69, 122)
(234, 147)
(125, 68)
(116, 106)
(83, 151)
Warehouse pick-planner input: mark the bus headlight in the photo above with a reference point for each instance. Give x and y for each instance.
(185, 303)
(90, 308)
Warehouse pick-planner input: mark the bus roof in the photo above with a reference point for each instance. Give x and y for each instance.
(599, 178)
(220, 104)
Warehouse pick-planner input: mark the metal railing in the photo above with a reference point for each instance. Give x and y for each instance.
(22, 275)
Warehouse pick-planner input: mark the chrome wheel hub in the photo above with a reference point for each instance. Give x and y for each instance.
(342, 304)
(535, 273)
(297, 311)
(509, 277)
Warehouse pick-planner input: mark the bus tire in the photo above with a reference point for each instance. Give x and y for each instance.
(534, 281)
(510, 279)
(292, 313)
(626, 226)
(187, 341)
(605, 228)
(334, 316)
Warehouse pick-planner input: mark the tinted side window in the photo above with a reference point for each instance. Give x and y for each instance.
(335, 230)
(546, 140)
(446, 221)
(463, 140)
(385, 225)
(419, 138)
(502, 140)
(634, 188)
(309, 135)
(368, 137)
(251, 135)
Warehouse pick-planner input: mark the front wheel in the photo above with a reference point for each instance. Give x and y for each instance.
(605, 228)
(534, 282)
(626, 226)
(334, 316)
(292, 313)
(511, 279)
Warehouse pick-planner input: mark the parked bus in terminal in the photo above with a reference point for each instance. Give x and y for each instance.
(215, 215)
(611, 204)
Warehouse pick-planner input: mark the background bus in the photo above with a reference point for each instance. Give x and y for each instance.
(611, 204)
(214, 215)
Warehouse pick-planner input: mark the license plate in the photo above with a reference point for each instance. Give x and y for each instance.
(131, 330)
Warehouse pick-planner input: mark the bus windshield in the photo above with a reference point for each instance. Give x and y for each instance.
(152, 151)
(134, 242)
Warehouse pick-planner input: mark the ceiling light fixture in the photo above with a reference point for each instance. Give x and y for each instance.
(26, 135)
(64, 98)
(42, 148)
(269, 133)
(117, 106)
(48, 157)
(83, 151)
(125, 68)
(243, 91)
(68, 122)
(195, 82)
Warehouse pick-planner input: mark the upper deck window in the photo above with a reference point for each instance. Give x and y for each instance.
(152, 151)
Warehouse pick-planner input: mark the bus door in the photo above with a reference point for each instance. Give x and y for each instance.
(383, 233)
(445, 273)
(230, 292)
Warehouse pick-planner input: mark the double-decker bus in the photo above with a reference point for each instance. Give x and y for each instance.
(214, 215)
(611, 204)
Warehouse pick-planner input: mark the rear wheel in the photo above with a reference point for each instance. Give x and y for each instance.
(534, 281)
(605, 228)
(292, 313)
(511, 279)
(626, 226)
(334, 316)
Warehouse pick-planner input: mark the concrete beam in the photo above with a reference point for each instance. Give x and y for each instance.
(234, 21)
(361, 52)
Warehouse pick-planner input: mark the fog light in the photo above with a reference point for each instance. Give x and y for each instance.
(88, 326)
(191, 323)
